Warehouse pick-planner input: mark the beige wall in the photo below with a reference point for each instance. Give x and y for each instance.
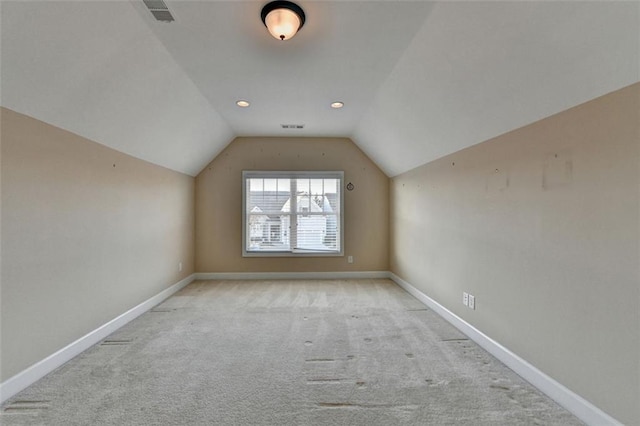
(542, 226)
(219, 205)
(87, 233)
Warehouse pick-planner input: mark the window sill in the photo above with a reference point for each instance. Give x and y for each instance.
(292, 254)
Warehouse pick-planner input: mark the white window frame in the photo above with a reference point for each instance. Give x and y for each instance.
(249, 174)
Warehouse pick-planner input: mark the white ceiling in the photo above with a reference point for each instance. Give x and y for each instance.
(419, 79)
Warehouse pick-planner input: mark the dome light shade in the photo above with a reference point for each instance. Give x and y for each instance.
(283, 19)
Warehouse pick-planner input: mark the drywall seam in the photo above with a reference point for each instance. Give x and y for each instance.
(40, 369)
(574, 403)
(291, 275)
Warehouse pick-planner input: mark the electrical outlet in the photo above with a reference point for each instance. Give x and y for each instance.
(180, 266)
(349, 259)
(465, 299)
(472, 302)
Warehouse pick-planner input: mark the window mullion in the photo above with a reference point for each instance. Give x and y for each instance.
(293, 222)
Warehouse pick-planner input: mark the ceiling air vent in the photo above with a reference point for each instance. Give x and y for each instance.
(159, 10)
(292, 126)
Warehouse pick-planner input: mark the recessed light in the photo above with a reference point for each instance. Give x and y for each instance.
(337, 105)
(243, 104)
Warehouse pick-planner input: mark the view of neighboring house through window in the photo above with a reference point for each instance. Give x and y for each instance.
(292, 213)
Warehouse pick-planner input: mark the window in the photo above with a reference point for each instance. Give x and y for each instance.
(292, 213)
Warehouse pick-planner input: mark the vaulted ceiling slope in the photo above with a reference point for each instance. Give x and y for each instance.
(419, 79)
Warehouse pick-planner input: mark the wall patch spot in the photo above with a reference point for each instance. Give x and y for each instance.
(557, 170)
(497, 181)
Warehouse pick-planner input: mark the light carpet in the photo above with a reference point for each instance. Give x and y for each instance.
(339, 352)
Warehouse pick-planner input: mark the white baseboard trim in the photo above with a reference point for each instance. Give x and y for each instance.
(25, 378)
(581, 408)
(574, 403)
(291, 275)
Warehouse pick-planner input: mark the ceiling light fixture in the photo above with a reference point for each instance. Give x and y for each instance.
(283, 19)
(337, 105)
(243, 104)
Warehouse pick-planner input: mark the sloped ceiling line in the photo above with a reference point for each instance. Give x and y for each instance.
(477, 70)
(138, 101)
(419, 79)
